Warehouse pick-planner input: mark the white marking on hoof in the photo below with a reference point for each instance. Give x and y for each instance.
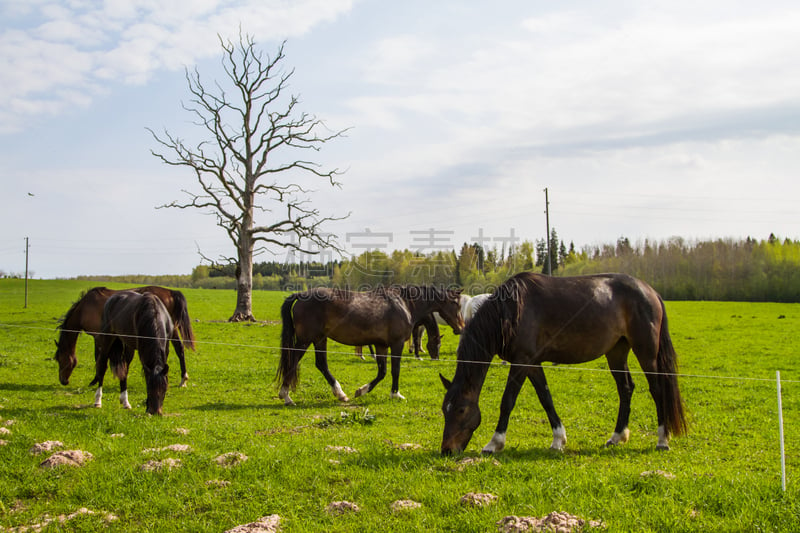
(123, 400)
(338, 392)
(98, 397)
(663, 440)
(619, 438)
(362, 390)
(495, 445)
(397, 396)
(184, 380)
(559, 438)
(284, 395)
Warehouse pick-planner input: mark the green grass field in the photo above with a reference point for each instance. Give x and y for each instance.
(723, 476)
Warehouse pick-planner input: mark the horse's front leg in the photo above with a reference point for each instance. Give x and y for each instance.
(380, 358)
(536, 376)
(101, 365)
(516, 378)
(123, 379)
(321, 359)
(179, 351)
(397, 353)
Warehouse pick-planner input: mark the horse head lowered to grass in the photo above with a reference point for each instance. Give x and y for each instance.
(531, 319)
(383, 318)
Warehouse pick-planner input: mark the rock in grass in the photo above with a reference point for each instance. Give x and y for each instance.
(68, 458)
(265, 524)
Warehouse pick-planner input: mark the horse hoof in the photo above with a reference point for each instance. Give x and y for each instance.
(344, 399)
(362, 391)
(126, 406)
(98, 405)
(288, 402)
(397, 396)
(662, 447)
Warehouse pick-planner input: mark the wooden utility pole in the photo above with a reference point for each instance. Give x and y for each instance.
(26, 272)
(547, 218)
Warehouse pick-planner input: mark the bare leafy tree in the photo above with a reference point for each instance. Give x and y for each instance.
(247, 168)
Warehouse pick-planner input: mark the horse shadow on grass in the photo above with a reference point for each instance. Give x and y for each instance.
(25, 387)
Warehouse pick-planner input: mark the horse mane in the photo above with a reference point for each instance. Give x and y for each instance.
(149, 328)
(74, 307)
(495, 323)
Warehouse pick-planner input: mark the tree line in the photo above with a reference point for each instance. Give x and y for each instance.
(679, 269)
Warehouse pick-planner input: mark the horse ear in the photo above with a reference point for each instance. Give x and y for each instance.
(446, 382)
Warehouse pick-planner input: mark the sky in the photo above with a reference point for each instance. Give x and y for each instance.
(643, 120)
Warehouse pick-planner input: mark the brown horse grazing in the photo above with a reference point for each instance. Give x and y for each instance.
(415, 342)
(86, 315)
(532, 318)
(431, 326)
(141, 322)
(382, 317)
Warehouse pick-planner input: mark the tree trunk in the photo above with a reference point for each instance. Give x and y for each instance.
(244, 281)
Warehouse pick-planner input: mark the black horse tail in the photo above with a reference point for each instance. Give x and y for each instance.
(287, 369)
(116, 360)
(182, 321)
(667, 365)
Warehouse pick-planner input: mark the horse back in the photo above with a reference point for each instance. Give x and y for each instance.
(577, 319)
(350, 317)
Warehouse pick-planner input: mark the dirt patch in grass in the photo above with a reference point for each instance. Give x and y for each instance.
(338, 508)
(559, 522)
(231, 459)
(478, 499)
(341, 449)
(265, 524)
(68, 458)
(46, 446)
(405, 505)
(46, 520)
(165, 464)
(184, 448)
(657, 473)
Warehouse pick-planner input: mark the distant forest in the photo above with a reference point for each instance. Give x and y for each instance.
(724, 269)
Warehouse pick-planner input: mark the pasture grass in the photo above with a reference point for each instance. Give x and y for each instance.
(723, 476)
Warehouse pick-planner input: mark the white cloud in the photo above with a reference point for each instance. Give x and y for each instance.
(55, 49)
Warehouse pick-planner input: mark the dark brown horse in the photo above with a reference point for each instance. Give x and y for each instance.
(382, 317)
(86, 315)
(531, 319)
(434, 342)
(140, 322)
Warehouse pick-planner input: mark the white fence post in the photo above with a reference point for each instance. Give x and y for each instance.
(780, 424)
